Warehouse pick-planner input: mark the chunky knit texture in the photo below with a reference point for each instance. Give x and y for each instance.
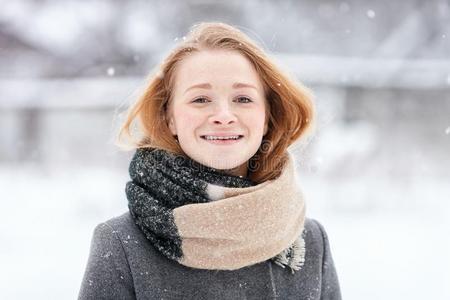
(204, 218)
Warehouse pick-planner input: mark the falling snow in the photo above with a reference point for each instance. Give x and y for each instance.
(110, 71)
(107, 254)
(371, 14)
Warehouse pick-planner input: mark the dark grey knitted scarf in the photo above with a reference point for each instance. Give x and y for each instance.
(162, 181)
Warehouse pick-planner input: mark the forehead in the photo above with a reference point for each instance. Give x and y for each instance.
(216, 67)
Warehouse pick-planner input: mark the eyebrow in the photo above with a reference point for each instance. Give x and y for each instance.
(235, 85)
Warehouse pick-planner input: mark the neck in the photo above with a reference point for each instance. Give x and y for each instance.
(241, 170)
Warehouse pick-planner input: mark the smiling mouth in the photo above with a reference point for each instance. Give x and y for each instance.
(222, 138)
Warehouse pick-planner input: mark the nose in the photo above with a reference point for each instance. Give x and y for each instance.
(223, 115)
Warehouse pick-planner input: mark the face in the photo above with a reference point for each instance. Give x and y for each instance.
(218, 109)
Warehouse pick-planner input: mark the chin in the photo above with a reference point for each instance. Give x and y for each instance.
(222, 164)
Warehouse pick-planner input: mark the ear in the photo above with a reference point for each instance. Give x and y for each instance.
(266, 128)
(267, 117)
(171, 124)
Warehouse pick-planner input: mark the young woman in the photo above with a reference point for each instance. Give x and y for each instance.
(215, 211)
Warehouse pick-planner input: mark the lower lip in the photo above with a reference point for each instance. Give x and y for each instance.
(223, 142)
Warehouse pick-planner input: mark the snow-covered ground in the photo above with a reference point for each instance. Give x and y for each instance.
(396, 248)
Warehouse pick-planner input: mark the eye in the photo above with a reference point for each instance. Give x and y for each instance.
(243, 99)
(200, 100)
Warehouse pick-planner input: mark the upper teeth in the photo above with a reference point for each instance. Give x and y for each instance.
(211, 137)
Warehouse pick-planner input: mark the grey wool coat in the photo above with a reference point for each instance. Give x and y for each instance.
(123, 264)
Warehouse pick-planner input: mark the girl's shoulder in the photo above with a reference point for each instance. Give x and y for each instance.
(122, 231)
(117, 228)
(315, 233)
(123, 222)
(317, 244)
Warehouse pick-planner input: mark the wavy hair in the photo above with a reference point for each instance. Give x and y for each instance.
(290, 108)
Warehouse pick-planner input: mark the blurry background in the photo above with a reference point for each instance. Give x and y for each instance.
(376, 173)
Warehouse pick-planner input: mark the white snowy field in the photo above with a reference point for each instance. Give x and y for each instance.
(394, 248)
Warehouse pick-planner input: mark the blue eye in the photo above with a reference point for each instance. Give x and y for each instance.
(200, 100)
(244, 99)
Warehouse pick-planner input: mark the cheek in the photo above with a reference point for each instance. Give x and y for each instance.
(255, 119)
(187, 120)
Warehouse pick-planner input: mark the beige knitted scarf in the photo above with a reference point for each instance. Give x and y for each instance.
(236, 227)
